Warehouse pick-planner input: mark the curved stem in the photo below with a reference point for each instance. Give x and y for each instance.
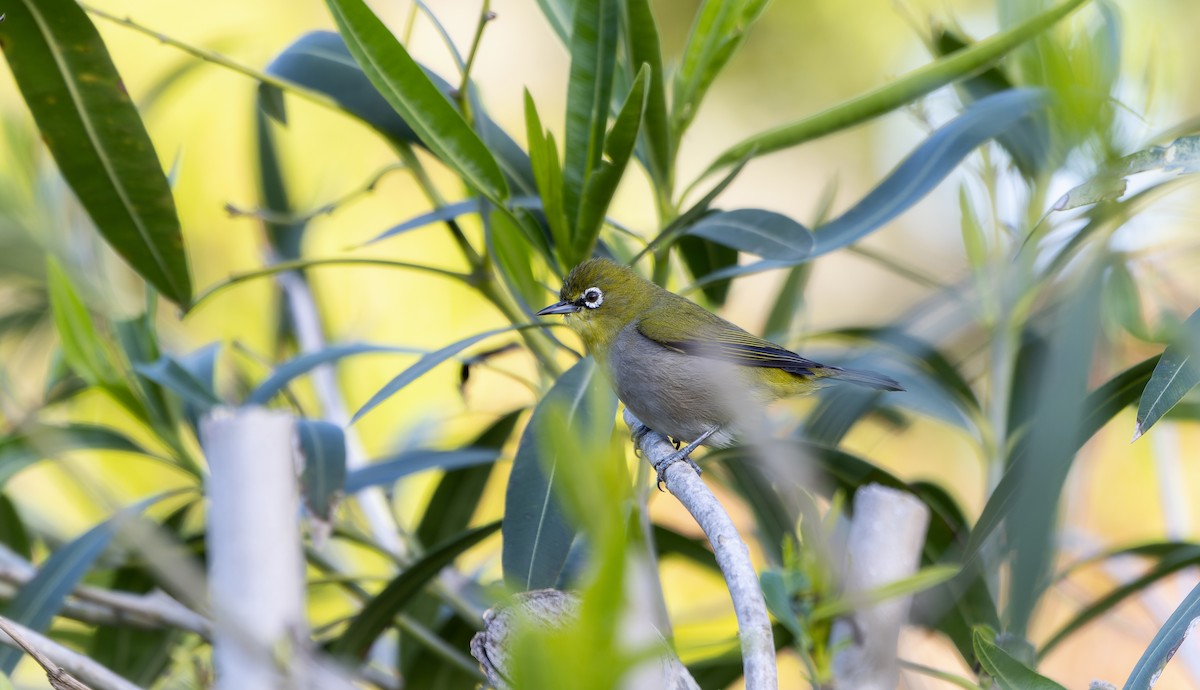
(733, 556)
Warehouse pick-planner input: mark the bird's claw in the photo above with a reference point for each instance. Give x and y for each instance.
(682, 454)
(637, 434)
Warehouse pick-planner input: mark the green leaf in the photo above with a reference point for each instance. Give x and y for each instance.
(407, 88)
(923, 579)
(96, 136)
(1008, 673)
(543, 156)
(139, 654)
(1176, 373)
(1164, 645)
(377, 614)
(669, 542)
(1172, 557)
(589, 95)
(290, 370)
(320, 61)
(560, 14)
(719, 30)
(642, 45)
(787, 305)
(702, 257)
(756, 231)
(323, 447)
(390, 470)
(34, 442)
(603, 180)
(82, 346)
(458, 493)
(427, 363)
(537, 531)
(896, 94)
(40, 599)
(12, 528)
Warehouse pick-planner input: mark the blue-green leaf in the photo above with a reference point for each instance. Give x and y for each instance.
(305, 363)
(323, 447)
(755, 231)
(409, 90)
(173, 375)
(561, 16)
(428, 362)
(389, 470)
(589, 95)
(1164, 645)
(537, 532)
(34, 442)
(40, 599)
(1177, 373)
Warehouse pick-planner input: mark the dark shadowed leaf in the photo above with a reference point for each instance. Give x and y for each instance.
(1177, 373)
(409, 90)
(668, 542)
(389, 470)
(12, 528)
(458, 493)
(589, 95)
(39, 600)
(705, 256)
(427, 363)
(1008, 673)
(97, 137)
(323, 447)
(377, 614)
(1164, 645)
(537, 532)
(759, 232)
(290, 370)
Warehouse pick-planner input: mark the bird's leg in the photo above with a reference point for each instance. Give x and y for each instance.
(675, 442)
(637, 435)
(684, 454)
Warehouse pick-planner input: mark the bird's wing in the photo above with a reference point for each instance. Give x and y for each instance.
(708, 335)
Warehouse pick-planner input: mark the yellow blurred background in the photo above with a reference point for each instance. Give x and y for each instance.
(801, 57)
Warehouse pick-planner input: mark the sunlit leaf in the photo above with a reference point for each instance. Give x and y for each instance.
(34, 442)
(1176, 373)
(377, 614)
(900, 92)
(290, 370)
(409, 90)
(97, 137)
(589, 94)
(921, 580)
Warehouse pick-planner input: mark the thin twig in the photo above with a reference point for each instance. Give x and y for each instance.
(733, 557)
(61, 664)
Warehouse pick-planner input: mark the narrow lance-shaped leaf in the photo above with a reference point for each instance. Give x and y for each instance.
(323, 447)
(604, 178)
(38, 441)
(543, 156)
(96, 136)
(409, 90)
(1008, 673)
(898, 93)
(301, 365)
(719, 30)
(378, 613)
(589, 95)
(642, 45)
(1177, 373)
(40, 599)
(537, 532)
(756, 231)
(389, 470)
(1164, 645)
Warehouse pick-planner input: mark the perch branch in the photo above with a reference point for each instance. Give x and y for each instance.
(62, 665)
(754, 626)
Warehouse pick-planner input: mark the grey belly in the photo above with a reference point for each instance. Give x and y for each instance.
(677, 394)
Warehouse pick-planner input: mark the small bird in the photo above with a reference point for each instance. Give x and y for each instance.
(682, 370)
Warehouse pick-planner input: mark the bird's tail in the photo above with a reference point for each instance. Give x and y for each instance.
(866, 378)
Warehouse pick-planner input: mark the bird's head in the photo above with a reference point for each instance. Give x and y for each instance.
(599, 298)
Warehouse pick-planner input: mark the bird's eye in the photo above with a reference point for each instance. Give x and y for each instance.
(593, 297)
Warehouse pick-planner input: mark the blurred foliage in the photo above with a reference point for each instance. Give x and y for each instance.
(1028, 354)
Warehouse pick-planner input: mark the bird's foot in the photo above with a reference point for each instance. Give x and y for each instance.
(684, 454)
(637, 435)
(675, 442)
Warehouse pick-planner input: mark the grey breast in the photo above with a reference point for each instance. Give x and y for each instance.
(673, 393)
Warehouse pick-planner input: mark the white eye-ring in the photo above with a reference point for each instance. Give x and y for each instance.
(593, 297)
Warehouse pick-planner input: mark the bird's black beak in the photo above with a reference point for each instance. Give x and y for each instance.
(559, 308)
